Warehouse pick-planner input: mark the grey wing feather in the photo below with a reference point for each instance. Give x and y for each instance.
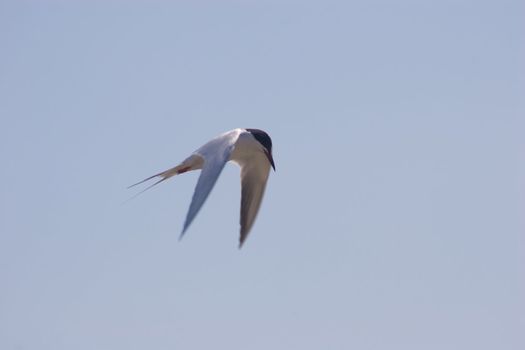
(254, 178)
(216, 154)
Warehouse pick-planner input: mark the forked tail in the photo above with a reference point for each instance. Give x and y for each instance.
(192, 163)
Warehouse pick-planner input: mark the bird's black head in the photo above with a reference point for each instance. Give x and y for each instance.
(265, 141)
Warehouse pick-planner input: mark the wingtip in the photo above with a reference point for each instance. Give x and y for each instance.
(181, 236)
(242, 239)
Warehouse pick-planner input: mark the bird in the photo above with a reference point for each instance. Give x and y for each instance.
(251, 149)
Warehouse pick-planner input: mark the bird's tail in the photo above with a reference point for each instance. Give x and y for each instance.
(192, 163)
(163, 177)
(166, 174)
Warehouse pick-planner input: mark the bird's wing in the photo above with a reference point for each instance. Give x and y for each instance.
(254, 176)
(216, 154)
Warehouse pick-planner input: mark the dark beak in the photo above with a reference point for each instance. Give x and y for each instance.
(270, 158)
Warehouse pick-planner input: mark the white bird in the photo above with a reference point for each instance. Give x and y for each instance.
(251, 149)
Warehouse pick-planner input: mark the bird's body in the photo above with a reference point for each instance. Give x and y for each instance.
(251, 149)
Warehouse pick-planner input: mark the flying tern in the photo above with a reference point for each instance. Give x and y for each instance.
(251, 149)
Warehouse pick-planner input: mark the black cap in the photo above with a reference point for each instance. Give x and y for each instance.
(265, 140)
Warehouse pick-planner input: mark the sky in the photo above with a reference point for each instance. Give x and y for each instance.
(395, 218)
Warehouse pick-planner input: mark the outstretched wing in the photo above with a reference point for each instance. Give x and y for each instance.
(216, 154)
(254, 176)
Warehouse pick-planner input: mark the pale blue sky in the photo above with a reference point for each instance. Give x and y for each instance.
(395, 219)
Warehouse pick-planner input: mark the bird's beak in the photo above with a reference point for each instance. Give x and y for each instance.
(270, 158)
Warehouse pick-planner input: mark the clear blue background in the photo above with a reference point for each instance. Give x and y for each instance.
(395, 219)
